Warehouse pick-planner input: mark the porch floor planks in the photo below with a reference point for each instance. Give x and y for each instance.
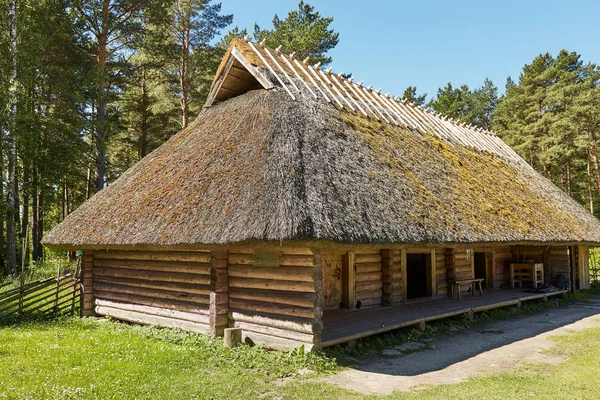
(342, 325)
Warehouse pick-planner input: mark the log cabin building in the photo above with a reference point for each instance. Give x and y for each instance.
(308, 209)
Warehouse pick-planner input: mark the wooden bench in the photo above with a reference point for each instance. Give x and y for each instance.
(475, 282)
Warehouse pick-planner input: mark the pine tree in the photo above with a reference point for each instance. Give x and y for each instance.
(304, 32)
(110, 30)
(410, 95)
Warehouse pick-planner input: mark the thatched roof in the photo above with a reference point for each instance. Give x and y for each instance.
(262, 165)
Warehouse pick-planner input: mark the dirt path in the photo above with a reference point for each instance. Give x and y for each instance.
(469, 353)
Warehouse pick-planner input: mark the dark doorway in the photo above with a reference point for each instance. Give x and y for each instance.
(481, 268)
(418, 275)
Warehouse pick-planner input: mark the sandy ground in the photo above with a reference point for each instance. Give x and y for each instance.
(468, 353)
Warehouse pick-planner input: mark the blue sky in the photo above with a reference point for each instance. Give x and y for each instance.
(394, 44)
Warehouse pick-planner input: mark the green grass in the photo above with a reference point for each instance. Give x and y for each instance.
(86, 358)
(89, 359)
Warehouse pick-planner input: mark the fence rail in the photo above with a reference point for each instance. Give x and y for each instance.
(49, 296)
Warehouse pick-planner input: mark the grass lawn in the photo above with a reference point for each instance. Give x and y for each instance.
(81, 359)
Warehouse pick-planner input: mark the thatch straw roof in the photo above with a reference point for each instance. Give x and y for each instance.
(265, 166)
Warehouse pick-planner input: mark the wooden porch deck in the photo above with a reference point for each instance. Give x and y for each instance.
(341, 325)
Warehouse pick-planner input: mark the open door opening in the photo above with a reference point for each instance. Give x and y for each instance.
(418, 275)
(481, 268)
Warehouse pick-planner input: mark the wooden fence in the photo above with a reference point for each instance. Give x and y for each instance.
(52, 296)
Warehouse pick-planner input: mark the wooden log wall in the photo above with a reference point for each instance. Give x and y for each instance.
(392, 276)
(87, 285)
(369, 277)
(275, 298)
(166, 288)
(583, 266)
(440, 276)
(219, 296)
(555, 258)
(459, 265)
(558, 263)
(501, 268)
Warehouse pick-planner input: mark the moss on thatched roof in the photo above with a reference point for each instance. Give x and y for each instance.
(262, 166)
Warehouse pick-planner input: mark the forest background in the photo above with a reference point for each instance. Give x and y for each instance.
(90, 87)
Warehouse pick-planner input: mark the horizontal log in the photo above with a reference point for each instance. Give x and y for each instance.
(281, 322)
(309, 287)
(299, 274)
(142, 318)
(152, 302)
(190, 256)
(172, 286)
(241, 259)
(153, 275)
(246, 306)
(368, 277)
(368, 294)
(275, 343)
(277, 332)
(368, 252)
(151, 265)
(375, 301)
(368, 258)
(296, 260)
(299, 299)
(368, 286)
(364, 268)
(164, 312)
(157, 293)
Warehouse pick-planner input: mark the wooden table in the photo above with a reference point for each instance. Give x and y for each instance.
(528, 272)
(473, 282)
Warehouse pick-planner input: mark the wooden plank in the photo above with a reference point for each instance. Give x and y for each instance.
(201, 318)
(368, 294)
(368, 258)
(153, 275)
(299, 299)
(152, 302)
(157, 293)
(172, 286)
(278, 321)
(152, 265)
(277, 332)
(349, 282)
(364, 268)
(275, 343)
(370, 276)
(300, 274)
(374, 301)
(142, 318)
(184, 256)
(367, 286)
(245, 306)
(308, 287)
(250, 68)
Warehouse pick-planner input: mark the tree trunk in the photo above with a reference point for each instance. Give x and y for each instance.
(2, 237)
(102, 85)
(25, 215)
(34, 216)
(144, 123)
(184, 77)
(589, 184)
(593, 148)
(568, 177)
(12, 150)
(65, 200)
